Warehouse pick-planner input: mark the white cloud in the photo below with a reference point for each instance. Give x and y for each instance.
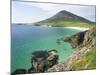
(51, 9)
(43, 6)
(58, 7)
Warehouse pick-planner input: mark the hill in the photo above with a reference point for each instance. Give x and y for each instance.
(65, 18)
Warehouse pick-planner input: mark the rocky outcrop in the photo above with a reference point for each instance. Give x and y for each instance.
(84, 57)
(52, 58)
(82, 38)
(76, 40)
(41, 61)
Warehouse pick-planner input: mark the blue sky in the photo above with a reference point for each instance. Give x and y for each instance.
(29, 12)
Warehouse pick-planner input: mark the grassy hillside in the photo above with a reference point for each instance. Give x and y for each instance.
(66, 24)
(88, 61)
(65, 19)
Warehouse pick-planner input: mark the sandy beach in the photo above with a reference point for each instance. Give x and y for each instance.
(78, 28)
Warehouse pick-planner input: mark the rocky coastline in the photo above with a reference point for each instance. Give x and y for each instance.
(83, 58)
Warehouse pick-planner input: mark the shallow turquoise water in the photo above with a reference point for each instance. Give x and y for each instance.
(26, 39)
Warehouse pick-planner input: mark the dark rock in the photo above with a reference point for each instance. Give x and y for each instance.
(82, 38)
(19, 71)
(42, 60)
(31, 70)
(38, 60)
(76, 40)
(58, 41)
(39, 54)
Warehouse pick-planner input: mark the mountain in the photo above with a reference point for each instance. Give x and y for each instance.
(64, 18)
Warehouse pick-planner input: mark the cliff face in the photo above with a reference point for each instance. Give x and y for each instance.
(84, 57)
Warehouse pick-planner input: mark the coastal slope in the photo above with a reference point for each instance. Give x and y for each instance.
(84, 56)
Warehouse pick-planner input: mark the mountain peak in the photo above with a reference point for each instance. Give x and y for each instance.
(64, 15)
(63, 11)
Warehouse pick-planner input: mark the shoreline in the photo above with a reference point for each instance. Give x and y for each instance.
(78, 28)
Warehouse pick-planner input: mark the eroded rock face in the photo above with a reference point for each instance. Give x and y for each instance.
(38, 61)
(52, 58)
(82, 38)
(76, 40)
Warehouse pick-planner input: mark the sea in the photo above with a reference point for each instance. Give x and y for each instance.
(26, 39)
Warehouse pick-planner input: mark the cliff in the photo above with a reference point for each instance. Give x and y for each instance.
(84, 56)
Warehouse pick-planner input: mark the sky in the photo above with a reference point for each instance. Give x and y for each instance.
(30, 12)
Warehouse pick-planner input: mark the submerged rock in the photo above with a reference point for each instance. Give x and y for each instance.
(58, 41)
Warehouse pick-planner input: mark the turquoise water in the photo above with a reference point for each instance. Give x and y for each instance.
(26, 39)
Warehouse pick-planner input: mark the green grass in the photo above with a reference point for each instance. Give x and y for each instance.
(88, 59)
(91, 58)
(66, 24)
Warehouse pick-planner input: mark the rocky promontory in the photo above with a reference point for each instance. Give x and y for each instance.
(84, 56)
